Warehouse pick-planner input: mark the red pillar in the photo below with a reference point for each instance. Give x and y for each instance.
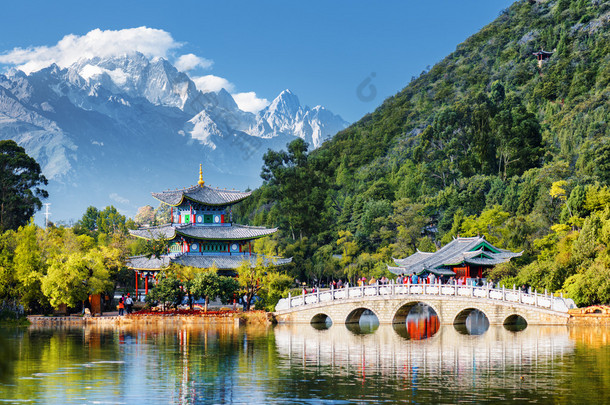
(137, 277)
(146, 285)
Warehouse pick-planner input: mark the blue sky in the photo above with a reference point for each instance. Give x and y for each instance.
(321, 50)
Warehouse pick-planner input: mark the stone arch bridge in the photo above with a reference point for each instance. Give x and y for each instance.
(452, 303)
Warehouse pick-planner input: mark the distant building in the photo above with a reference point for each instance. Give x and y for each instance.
(542, 56)
(201, 233)
(461, 258)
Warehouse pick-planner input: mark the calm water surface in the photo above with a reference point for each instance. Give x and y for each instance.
(419, 362)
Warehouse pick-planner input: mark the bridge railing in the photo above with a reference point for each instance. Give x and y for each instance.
(514, 295)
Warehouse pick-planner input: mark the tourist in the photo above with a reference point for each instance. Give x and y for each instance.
(128, 304)
(340, 283)
(431, 278)
(414, 279)
(304, 290)
(121, 307)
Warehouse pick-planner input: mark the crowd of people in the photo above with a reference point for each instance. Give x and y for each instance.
(431, 278)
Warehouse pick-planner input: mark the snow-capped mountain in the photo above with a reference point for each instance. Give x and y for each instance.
(110, 130)
(286, 116)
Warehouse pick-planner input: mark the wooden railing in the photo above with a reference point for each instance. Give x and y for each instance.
(517, 296)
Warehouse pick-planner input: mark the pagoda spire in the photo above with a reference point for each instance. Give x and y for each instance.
(200, 182)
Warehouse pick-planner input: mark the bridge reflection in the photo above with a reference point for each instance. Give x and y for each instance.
(399, 349)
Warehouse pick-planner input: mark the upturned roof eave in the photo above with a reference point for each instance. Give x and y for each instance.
(233, 239)
(184, 195)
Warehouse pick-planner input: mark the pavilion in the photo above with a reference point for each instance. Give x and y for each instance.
(461, 258)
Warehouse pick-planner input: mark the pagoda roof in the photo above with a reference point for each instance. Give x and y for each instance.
(233, 232)
(202, 194)
(201, 261)
(460, 251)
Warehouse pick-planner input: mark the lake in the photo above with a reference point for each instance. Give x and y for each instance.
(419, 362)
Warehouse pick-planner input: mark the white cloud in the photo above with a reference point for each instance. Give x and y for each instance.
(210, 83)
(103, 43)
(118, 198)
(190, 61)
(249, 102)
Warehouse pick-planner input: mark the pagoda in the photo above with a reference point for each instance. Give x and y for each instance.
(201, 233)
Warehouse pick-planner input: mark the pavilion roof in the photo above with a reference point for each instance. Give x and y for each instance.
(459, 251)
(543, 53)
(402, 271)
(222, 262)
(232, 232)
(203, 194)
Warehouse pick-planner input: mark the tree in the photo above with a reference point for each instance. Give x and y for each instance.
(167, 291)
(20, 178)
(29, 266)
(298, 187)
(88, 223)
(251, 280)
(209, 285)
(145, 215)
(73, 276)
(519, 138)
(111, 221)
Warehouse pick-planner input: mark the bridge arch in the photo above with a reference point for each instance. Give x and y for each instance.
(321, 318)
(475, 326)
(402, 310)
(515, 322)
(462, 314)
(354, 315)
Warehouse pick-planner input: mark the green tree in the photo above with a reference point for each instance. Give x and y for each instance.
(111, 221)
(89, 222)
(168, 291)
(20, 181)
(73, 276)
(251, 280)
(519, 138)
(209, 285)
(295, 182)
(29, 267)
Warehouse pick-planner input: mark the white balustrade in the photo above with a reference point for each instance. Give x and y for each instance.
(370, 291)
(464, 291)
(446, 290)
(326, 296)
(480, 292)
(512, 295)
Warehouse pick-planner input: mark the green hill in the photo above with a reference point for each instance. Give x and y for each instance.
(486, 142)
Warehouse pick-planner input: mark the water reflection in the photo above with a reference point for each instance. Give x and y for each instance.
(421, 323)
(300, 364)
(386, 352)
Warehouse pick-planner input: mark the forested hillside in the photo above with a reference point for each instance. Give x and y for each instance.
(485, 142)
